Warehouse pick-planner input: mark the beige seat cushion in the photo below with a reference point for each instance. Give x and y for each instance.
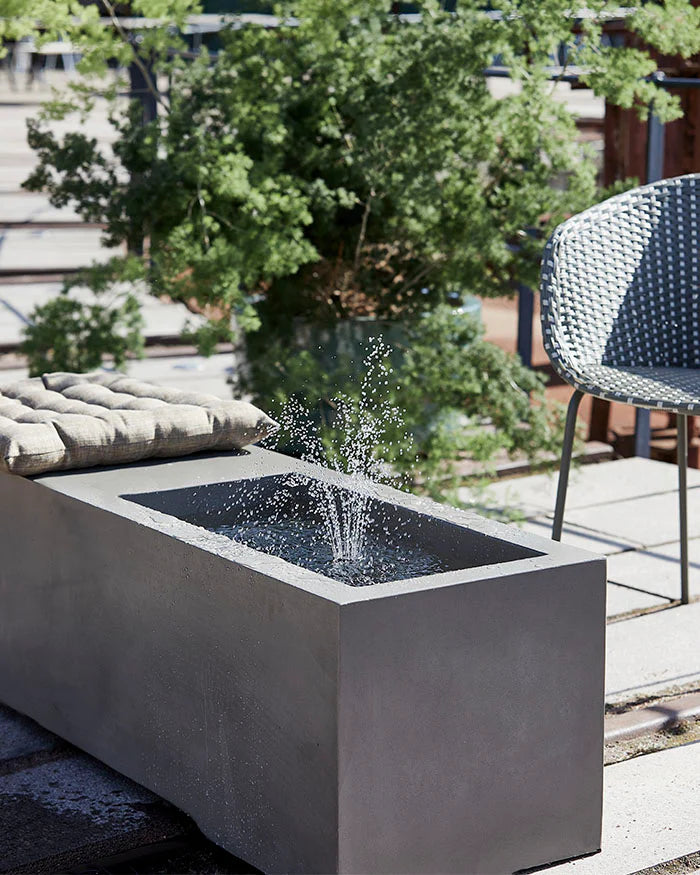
(62, 421)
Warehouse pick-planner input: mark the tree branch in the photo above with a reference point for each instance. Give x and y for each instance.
(363, 231)
(419, 275)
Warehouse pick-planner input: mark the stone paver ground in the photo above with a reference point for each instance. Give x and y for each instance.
(61, 809)
(55, 249)
(653, 654)
(188, 372)
(651, 806)
(626, 510)
(162, 319)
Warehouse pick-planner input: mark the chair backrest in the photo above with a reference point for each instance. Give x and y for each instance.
(620, 282)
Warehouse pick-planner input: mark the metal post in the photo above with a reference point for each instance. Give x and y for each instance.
(569, 435)
(526, 309)
(142, 90)
(139, 90)
(655, 141)
(654, 172)
(682, 453)
(642, 432)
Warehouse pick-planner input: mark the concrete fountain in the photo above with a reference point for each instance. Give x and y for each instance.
(328, 674)
(445, 722)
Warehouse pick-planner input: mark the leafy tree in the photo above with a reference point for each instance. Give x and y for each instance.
(458, 396)
(72, 334)
(349, 163)
(345, 162)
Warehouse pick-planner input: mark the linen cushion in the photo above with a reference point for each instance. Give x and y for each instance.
(61, 421)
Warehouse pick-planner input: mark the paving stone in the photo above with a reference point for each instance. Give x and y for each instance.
(61, 811)
(653, 653)
(589, 485)
(30, 207)
(18, 300)
(577, 536)
(623, 599)
(22, 737)
(194, 373)
(188, 372)
(13, 174)
(581, 103)
(650, 813)
(657, 570)
(648, 520)
(28, 249)
(16, 158)
(11, 325)
(165, 318)
(21, 299)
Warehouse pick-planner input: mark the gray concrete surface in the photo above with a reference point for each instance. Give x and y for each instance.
(581, 102)
(627, 510)
(162, 319)
(654, 653)
(650, 814)
(25, 206)
(179, 371)
(625, 599)
(57, 811)
(583, 537)
(21, 737)
(63, 811)
(655, 569)
(589, 486)
(649, 520)
(308, 725)
(30, 249)
(16, 158)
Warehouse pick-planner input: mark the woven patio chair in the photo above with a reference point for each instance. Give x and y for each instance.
(620, 299)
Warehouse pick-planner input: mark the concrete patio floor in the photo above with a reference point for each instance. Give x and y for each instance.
(628, 511)
(650, 815)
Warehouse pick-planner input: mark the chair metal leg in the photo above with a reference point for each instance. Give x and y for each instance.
(569, 434)
(682, 453)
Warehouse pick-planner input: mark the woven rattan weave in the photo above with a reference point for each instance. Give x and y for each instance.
(620, 303)
(620, 297)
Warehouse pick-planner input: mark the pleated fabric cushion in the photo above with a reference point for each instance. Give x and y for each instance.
(63, 421)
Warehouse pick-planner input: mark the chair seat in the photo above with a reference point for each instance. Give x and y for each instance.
(673, 389)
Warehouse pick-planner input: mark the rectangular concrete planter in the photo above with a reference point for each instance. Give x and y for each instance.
(446, 723)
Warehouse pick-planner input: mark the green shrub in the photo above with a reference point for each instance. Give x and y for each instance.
(346, 162)
(459, 396)
(70, 334)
